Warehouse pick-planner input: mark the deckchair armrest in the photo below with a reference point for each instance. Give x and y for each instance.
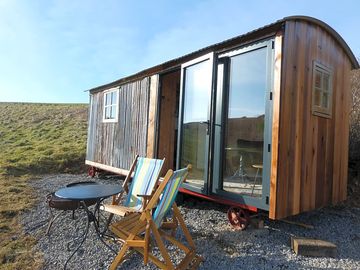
(145, 199)
(144, 196)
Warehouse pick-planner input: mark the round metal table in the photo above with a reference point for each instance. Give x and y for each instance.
(88, 192)
(82, 193)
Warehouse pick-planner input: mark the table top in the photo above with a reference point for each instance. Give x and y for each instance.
(88, 192)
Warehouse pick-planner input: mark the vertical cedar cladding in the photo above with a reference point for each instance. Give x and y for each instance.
(116, 144)
(313, 150)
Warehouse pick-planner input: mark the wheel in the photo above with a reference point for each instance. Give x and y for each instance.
(239, 218)
(92, 171)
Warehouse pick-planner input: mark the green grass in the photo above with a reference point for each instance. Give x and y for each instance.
(35, 139)
(42, 138)
(16, 247)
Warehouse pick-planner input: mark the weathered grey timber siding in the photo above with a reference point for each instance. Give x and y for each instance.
(116, 144)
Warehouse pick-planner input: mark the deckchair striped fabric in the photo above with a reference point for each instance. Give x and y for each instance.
(148, 169)
(169, 195)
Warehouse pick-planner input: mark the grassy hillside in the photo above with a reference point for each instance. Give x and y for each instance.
(34, 139)
(42, 138)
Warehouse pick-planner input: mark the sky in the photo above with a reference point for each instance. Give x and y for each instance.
(53, 51)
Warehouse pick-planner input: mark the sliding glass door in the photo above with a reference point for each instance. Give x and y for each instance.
(227, 125)
(242, 124)
(194, 124)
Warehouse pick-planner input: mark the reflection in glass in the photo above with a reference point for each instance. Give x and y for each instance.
(107, 112)
(244, 135)
(317, 79)
(326, 79)
(113, 97)
(193, 150)
(197, 87)
(113, 112)
(325, 100)
(317, 97)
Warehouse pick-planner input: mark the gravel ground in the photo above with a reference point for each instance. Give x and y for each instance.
(220, 245)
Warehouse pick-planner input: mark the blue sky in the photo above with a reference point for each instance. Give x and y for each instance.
(51, 51)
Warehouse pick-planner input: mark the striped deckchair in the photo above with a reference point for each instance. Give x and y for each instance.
(136, 229)
(146, 173)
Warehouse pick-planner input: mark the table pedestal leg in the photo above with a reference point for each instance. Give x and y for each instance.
(88, 220)
(91, 217)
(97, 229)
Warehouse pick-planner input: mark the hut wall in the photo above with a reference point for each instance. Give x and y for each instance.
(116, 144)
(170, 86)
(312, 151)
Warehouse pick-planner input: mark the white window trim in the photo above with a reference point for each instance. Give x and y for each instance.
(116, 89)
(319, 110)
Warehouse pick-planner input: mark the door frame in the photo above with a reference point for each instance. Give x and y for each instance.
(205, 189)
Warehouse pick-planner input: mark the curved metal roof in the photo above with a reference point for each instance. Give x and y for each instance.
(259, 33)
(332, 32)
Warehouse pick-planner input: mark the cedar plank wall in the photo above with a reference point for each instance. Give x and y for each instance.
(170, 84)
(313, 151)
(116, 144)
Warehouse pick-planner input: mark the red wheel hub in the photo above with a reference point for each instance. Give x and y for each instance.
(239, 218)
(92, 171)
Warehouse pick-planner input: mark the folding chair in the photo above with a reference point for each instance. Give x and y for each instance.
(136, 229)
(139, 188)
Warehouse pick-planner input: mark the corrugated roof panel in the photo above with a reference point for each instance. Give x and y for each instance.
(235, 41)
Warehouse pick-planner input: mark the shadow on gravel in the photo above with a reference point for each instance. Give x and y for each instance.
(220, 245)
(269, 248)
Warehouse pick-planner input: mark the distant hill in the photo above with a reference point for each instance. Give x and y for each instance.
(42, 138)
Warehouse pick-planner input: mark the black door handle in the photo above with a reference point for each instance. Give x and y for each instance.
(207, 125)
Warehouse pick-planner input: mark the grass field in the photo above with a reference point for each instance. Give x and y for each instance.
(38, 139)
(35, 139)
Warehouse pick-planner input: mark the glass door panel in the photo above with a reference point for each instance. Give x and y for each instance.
(245, 121)
(193, 147)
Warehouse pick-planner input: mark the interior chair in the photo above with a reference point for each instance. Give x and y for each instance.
(138, 185)
(138, 230)
(258, 167)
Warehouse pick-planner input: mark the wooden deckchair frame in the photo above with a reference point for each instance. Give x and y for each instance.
(131, 231)
(115, 207)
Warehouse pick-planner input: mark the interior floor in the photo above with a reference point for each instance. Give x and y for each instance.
(195, 183)
(250, 189)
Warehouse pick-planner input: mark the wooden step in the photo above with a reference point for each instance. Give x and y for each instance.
(313, 247)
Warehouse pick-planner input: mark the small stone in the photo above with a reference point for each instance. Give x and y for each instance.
(257, 223)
